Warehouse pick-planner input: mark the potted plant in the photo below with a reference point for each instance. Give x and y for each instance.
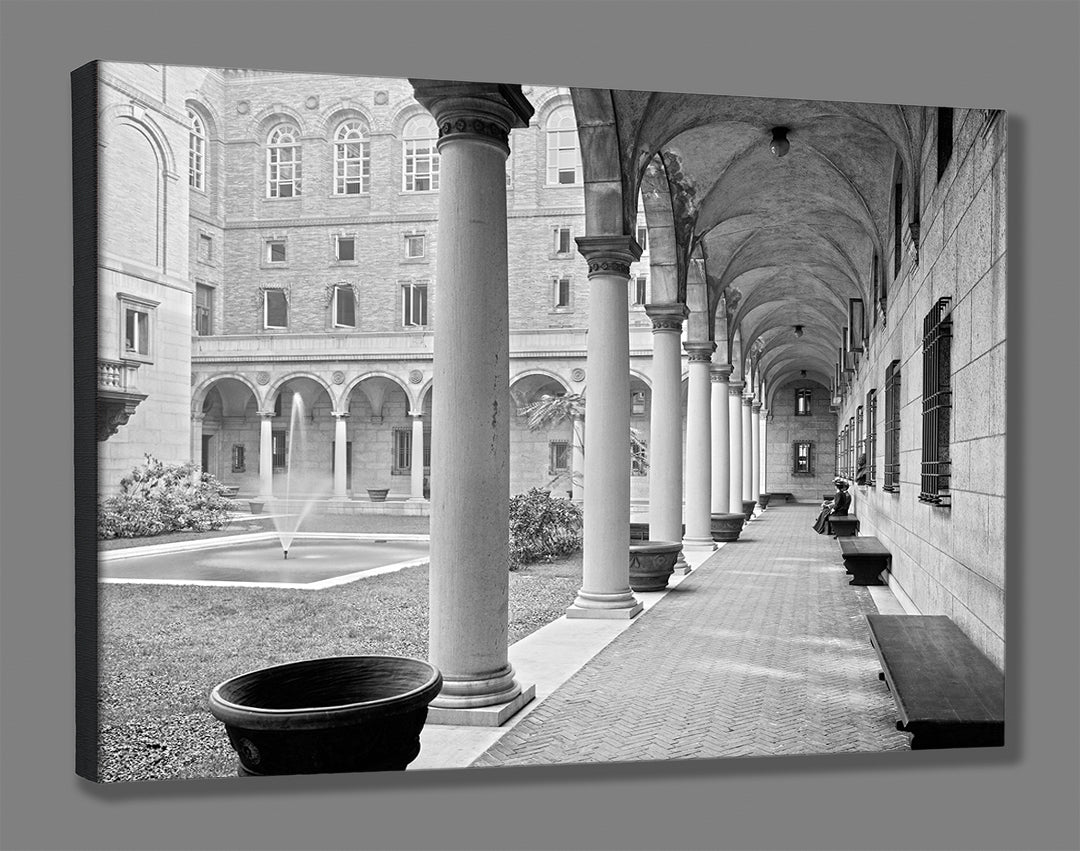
(337, 714)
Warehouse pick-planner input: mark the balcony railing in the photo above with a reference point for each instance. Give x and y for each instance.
(117, 398)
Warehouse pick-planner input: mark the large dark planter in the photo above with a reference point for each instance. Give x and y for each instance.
(378, 494)
(342, 713)
(652, 563)
(726, 527)
(763, 500)
(748, 508)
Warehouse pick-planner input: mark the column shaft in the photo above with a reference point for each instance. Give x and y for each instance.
(698, 447)
(577, 458)
(266, 455)
(747, 451)
(605, 582)
(665, 427)
(735, 447)
(764, 450)
(755, 449)
(341, 456)
(416, 478)
(721, 441)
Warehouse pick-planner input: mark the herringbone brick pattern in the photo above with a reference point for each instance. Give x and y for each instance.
(764, 650)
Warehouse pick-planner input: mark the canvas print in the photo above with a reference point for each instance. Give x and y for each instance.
(444, 423)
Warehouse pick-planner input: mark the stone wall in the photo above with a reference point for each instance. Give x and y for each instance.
(785, 428)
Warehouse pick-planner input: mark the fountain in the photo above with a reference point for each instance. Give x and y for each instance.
(307, 487)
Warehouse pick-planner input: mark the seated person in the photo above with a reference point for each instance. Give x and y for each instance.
(839, 504)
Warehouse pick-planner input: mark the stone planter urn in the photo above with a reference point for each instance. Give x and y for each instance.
(337, 714)
(748, 508)
(726, 527)
(255, 506)
(763, 500)
(377, 494)
(652, 563)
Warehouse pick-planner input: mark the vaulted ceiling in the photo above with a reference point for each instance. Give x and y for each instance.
(771, 242)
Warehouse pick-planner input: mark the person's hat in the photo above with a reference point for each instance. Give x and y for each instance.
(838, 481)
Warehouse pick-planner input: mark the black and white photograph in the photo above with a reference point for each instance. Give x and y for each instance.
(449, 424)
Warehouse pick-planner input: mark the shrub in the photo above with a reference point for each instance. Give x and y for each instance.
(542, 527)
(156, 498)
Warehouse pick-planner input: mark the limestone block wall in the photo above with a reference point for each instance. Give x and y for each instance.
(949, 560)
(785, 428)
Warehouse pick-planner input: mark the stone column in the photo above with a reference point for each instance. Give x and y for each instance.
(747, 450)
(605, 582)
(416, 477)
(721, 440)
(755, 448)
(341, 456)
(266, 455)
(735, 447)
(196, 440)
(698, 448)
(470, 479)
(764, 450)
(577, 458)
(665, 427)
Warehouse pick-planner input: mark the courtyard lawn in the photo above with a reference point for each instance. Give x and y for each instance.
(163, 648)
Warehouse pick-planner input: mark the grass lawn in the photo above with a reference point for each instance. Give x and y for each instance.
(163, 648)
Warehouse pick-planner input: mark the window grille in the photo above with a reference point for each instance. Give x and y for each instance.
(937, 404)
(803, 398)
(204, 310)
(871, 437)
(559, 451)
(892, 428)
(802, 457)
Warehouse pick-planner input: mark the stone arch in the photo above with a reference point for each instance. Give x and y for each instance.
(276, 384)
(343, 111)
(610, 193)
(667, 256)
(350, 387)
(278, 113)
(200, 391)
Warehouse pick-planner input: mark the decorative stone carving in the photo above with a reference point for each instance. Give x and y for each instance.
(382, 97)
(338, 377)
(735, 388)
(699, 352)
(312, 102)
(262, 378)
(609, 255)
(666, 317)
(577, 374)
(243, 107)
(721, 372)
(415, 376)
(475, 127)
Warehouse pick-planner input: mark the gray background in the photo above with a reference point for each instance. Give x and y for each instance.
(1022, 57)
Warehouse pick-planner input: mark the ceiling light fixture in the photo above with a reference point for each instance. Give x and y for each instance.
(798, 331)
(779, 145)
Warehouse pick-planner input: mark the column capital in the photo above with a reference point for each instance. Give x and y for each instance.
(482, 112)
(267, 415)
(735, 388)
(700, 352)
(667, 317)
(609, 255)
(756, 406)
(747, 401)
(416, 415)
(721, 372)
(199, 417)
(340, 415)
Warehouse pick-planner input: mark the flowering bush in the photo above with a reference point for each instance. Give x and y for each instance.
(542, 527)
(156, 498)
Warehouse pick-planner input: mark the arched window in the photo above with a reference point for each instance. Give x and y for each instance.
(563, 156)
(196, 151)
(352, 160)
(283, 162)
(421, 159)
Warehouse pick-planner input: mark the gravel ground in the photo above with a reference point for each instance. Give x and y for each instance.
(163, 649)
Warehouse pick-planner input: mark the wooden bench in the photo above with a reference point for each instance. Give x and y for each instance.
(788, 497)
(865, 559)
(948, 694)
(843, 525)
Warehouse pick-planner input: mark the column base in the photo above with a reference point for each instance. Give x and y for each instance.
(416, 499)
(681, 567)
(699, 543)
(481, 716)
(578, 612)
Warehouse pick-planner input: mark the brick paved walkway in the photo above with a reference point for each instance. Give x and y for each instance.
(763, 650)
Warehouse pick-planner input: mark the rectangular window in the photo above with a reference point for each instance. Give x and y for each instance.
(860, 447)
(561, 293)
(559, 454)
(401, 463)
(643, 238)
(640, 287)
(421, 166)
(877, 294)
(892, 428)
(415, 246)
(856, 324)
(345, 248)
(802, 458)
(944, 139)
(562, 241)
(871, 437)
(850, 433)
(344, 307)
(637, 403)
(275, 309)
(136, 332)
(275, 251)
(414, 305)
(937, 405)
(238, 458)
(802, 402)
(279, 451)
(204, 310)
(206, 248)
